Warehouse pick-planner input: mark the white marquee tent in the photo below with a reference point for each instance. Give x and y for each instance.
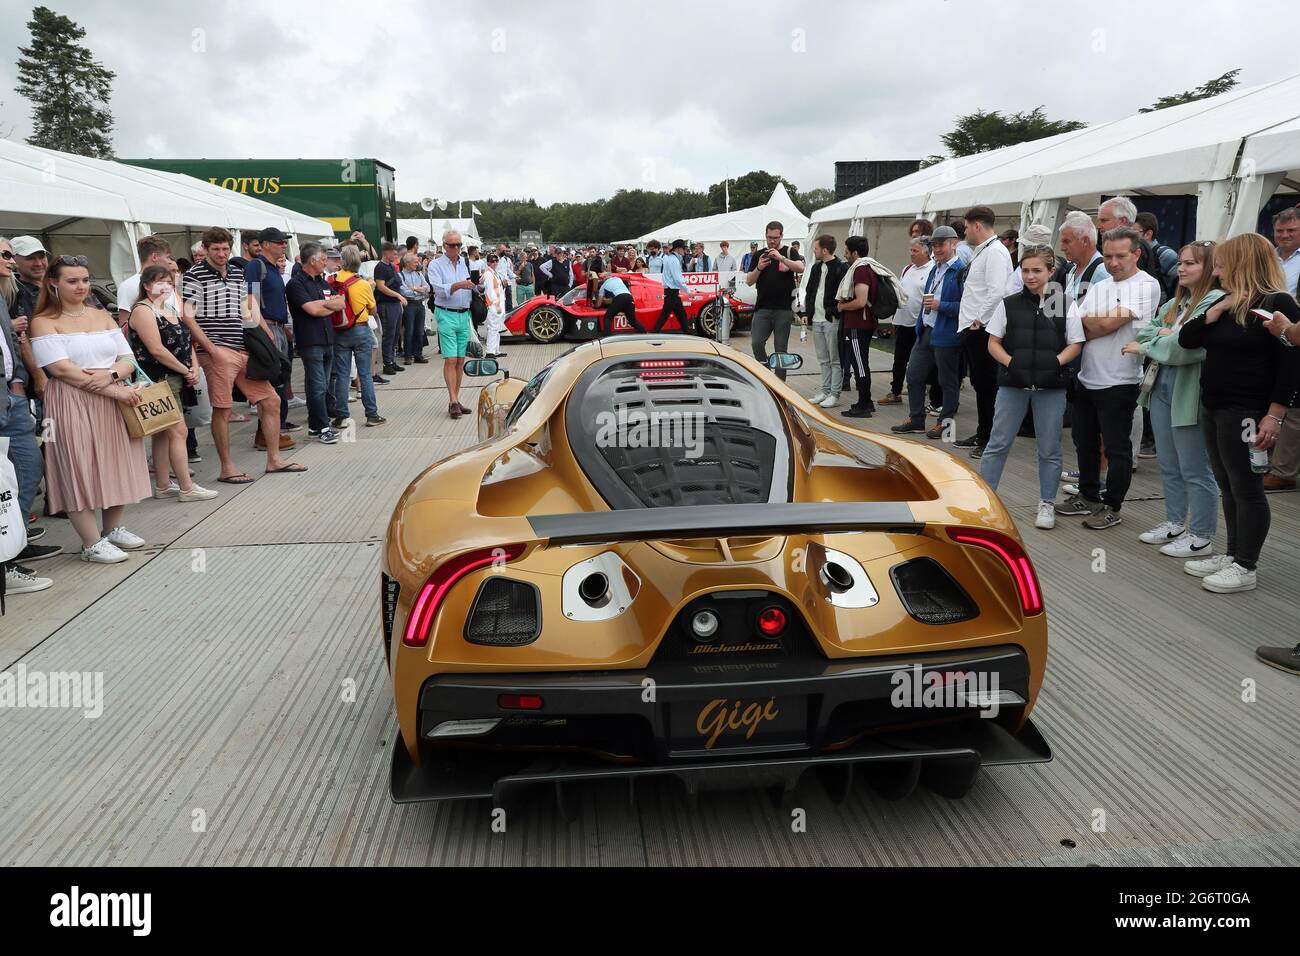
(99, 208)
(1233, 152)
(740, 227)
(431, 230)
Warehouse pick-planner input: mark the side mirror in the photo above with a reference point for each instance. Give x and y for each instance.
(481, 368)
(783, 360)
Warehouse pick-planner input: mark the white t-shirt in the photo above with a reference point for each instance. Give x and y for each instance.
(997, 325)
(913, 281)
(1104, 365)
(129, 291)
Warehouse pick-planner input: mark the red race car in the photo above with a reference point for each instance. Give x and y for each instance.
(543, 318)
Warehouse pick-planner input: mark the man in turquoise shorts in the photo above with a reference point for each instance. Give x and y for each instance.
(452, 290)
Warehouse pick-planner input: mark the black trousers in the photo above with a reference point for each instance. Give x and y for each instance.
(1104, 416)
(856, 355)
(625, 304)
(983, 372)
(904, 339)
(1245, 506)
(672, 305)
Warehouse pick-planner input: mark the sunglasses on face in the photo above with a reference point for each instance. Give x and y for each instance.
(451, 245)
(7, 256)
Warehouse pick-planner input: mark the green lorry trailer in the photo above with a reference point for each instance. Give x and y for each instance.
(349, 194)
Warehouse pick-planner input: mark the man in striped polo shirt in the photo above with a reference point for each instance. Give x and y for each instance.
(217, 303)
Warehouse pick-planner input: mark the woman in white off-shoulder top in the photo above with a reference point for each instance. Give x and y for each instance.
(91, 462)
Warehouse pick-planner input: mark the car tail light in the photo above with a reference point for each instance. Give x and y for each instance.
(1013, 556)
(519, 702)
(771, 621)
(662, 363)
(441, 581)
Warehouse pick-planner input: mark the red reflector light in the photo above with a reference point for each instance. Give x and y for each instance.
(1013, 556)
(662, 363)
(676, 375)
(771, 621)
(519, 702)
(441, 581)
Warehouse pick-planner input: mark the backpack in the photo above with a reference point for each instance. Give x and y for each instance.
(890, 296)
(347, 318)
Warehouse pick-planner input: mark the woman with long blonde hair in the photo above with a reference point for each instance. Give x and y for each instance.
(1171, 391)
(1248, 382)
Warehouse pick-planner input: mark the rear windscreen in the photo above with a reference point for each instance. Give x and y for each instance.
(682, 430)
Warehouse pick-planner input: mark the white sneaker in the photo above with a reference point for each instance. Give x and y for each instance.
(297, 402)
(21, 581)
(1188, 546)
(1207, 566)
(124, 539)
(199, 493)
(1162, 533)
(1046, 515)
(830, 401)
(103, 551)
(818, 398)
(171, 491)
(1070, 489)
(1230, 580)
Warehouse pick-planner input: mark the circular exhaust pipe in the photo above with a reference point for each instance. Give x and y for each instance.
(594, 589)
(836, 577)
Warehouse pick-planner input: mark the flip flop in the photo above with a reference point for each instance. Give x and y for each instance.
(293, 468)
(240, 479)
(238, 419)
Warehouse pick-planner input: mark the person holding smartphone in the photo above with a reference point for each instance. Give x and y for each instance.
(775, 274)
(1249, 382)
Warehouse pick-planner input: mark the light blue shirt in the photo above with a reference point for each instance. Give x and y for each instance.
(414, 285)
(672, 270)
(656, 263)
(934, 283)
(613, 286)
(1291, 269)
(1072, 277)
(442, 275)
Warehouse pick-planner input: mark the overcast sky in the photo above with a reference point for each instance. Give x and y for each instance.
(573, 101)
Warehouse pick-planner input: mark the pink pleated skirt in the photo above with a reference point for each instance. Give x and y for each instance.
(91, 460)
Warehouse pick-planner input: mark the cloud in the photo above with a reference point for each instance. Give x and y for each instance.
(512, 100)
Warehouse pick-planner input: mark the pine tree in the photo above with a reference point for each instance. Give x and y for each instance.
(68, 90)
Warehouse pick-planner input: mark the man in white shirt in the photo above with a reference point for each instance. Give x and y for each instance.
(987, 275)
(1286, 454)
(1107, 389)
(153, 251)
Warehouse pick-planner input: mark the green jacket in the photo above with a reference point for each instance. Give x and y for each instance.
(1186, 363)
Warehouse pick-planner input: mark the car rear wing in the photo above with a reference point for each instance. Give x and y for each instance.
(723, 521)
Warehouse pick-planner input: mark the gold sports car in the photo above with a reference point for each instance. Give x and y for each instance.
(660, 559)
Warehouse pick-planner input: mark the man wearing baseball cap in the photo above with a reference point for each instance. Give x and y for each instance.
(1035, 235)
(674, 288)
(266, 285)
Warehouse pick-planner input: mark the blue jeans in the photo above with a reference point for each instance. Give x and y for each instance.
(317, 369)
(1185, 469)
(413, 330)
(17, 425)
(1008, 412)
(355, 343)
